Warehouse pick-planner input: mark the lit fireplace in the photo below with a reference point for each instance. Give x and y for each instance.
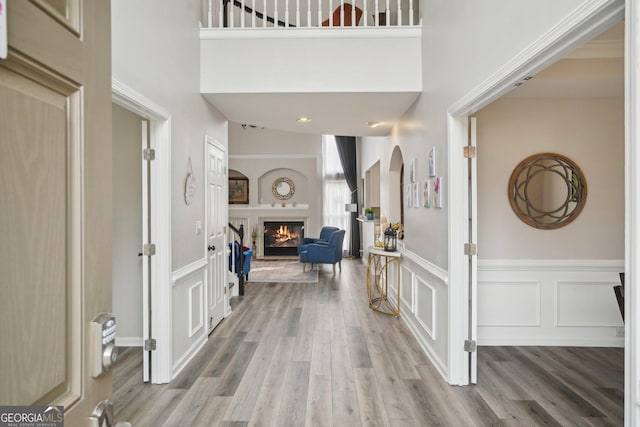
(282, 237)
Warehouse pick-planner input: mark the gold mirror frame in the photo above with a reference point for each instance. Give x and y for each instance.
(564, 172)
(278, 184)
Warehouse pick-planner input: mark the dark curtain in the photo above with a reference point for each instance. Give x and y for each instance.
(347, 151)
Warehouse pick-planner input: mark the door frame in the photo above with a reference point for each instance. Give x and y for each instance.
(587, 20)
(161, 283)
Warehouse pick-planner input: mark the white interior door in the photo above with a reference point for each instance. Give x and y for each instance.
(216, 226)
(55, 204)
(473, 258)
(146, 254)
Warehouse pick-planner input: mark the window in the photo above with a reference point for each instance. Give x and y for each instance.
(336, 192)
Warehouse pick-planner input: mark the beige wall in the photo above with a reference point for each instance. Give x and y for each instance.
(590, 131)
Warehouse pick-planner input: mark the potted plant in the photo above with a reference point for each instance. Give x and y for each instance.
(370, 212)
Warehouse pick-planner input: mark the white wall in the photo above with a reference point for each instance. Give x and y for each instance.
(156, 52)
(464, 42)
(127, 225)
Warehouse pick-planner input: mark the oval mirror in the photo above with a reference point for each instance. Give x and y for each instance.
(283, 188)
(547, 190)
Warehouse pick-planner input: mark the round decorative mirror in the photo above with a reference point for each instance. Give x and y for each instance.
(547, 190)
(283, 188)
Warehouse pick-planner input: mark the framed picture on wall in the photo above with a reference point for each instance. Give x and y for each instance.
(416, 194)
(431, 158)
(437, 192)
(426, 194)
(239, 191)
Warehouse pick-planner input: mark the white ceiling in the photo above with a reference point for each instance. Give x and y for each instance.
(330, 113)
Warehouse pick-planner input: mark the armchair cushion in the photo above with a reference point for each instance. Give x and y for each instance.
(325, 233)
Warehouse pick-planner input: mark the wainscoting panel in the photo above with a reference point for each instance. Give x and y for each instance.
(407, 289)
(188, 313)
(426, 306)
(549, 302)
(523, 308)
(587, 304)
(196, 304)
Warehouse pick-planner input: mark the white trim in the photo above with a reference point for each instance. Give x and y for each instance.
(188, 356)
(551, 341)
(272, 156)
(129, 341)
(632, 214)
(614, 266)
(590, 324)
(588, 19)
(538, 287)
(188, 269)
(309, 33)
(458, 318)
(407, 271)
(288, 206)
(434, 296)
(427, 266)
(160, 124)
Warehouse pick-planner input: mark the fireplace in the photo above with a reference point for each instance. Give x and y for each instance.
(281, 238)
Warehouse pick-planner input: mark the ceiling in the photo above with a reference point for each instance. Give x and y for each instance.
(595, 69)
(330, 113)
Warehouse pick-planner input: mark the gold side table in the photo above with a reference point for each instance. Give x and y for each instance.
(378, 280)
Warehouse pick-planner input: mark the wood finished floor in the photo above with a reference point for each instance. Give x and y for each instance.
(314, 354)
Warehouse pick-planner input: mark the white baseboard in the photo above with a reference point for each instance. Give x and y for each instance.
(552, 342)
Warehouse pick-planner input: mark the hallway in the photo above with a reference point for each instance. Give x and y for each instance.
(314, 354)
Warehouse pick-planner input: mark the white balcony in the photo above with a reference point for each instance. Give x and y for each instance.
(268, 72)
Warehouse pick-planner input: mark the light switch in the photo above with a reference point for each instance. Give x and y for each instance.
(198, 227)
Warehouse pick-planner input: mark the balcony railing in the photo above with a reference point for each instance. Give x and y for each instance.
(309, 13)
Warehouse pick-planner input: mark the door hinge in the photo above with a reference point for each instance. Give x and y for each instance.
(469, 346)
(149, 249)
(150, 344)
(470, 249)
(470, 152)
(149, 154)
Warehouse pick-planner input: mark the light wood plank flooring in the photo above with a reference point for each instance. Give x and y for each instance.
(314, 354)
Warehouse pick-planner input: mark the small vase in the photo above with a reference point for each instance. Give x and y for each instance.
(369, 216)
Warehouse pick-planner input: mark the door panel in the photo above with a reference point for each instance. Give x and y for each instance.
(473, 259)
(55, 199)
(216, 232)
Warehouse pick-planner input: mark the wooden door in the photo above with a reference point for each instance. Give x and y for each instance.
(55, 202)
(217, 187)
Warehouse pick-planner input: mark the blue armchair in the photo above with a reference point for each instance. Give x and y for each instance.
(324, 253)
(325, 233)
(234, 259)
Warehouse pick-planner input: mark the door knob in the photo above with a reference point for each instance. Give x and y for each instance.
(211, 248)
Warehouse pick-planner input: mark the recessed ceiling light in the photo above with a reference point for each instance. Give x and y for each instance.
(373, 124)
(303, 119)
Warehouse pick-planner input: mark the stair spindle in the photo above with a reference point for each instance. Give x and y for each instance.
(411, 18)
(399, 13)
(297, 13)
(330, 13)
(308, 13)
(366, 14)
(387, 15)
(264, 13)
(286, 13)
(342, 13)
(353, 14)
(242, 13)
(319, 13)
(377, 17)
